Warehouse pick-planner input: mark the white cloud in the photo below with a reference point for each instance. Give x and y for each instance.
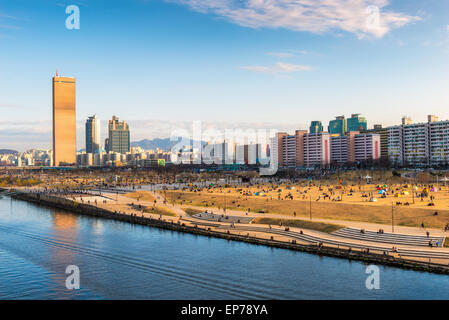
(360, 17)
(279, 67)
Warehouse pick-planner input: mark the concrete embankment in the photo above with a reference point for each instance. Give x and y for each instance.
(87, 209)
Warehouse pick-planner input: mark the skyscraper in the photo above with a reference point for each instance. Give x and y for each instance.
(356, 123)
(118, 139)
(92, 134)
(338, 126)
(64, 121)
(316, 127)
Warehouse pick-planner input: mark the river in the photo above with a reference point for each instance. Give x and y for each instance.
(118, 260)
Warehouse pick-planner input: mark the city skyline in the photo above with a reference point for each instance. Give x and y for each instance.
(189, 63)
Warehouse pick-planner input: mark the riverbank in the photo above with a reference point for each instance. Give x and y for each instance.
(183, 226)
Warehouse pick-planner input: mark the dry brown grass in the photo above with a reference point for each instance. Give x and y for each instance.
(318, 226)
(140, 195)
(160, 211)
(191, 211)
(366, 212)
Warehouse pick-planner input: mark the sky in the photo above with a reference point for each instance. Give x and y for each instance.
(277, 64)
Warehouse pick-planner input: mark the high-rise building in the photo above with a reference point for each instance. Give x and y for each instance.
(280, 136)
(317, 149)
(367, 147)
(356, 123)
(355, 147)
(339, 149)
(419, 143)
(289, 150)
(118, 138)
(383, 132)
(92, 134)
(338, 126)
(316, 127)
(64, 121)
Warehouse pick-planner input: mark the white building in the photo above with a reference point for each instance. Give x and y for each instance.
(419, 144)
(317, 149)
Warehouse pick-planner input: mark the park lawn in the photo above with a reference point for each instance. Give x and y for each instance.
(160, 211)
(141, 195)
(372, 213)
(317, 226)
(5, 182)
(191, 211)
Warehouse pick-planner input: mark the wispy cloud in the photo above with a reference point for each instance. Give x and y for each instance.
(282, 54)
(279, 67)
(316, 16)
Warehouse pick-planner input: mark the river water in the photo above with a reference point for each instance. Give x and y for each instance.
(122, 261)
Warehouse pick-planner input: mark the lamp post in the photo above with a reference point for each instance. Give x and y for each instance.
(310, 197)
(392, 217)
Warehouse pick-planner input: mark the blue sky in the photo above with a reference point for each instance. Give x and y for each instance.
(261, 63)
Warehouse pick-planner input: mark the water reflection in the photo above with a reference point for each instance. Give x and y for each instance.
(123, 261)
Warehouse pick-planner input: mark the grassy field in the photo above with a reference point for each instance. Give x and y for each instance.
(159, 210)
(317, 226)
(191, 211)
(347, 211)
(140, 195)
(5, 182)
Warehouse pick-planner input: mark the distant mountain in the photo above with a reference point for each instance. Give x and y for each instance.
(8, 151)
(163, 144)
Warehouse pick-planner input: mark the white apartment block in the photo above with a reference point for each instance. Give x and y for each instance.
(274, 156)
(289, 151)
(419, 144)
(339, 149)
(367, 147)
(439, 142)
(395, 150)
(317, 149)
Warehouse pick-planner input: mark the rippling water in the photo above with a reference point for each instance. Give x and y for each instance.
(123, 261)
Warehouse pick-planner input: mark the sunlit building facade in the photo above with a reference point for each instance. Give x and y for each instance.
(64, 121)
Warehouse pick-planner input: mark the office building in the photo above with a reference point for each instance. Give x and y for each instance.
(356, 123)
(118, 137)
(338, 126)
(64, 121)
(92, 135)
(316, 127)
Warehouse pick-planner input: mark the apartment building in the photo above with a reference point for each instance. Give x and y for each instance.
(317, 149)
(419, 144)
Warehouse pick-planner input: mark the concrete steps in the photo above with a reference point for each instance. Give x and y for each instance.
(411, 240)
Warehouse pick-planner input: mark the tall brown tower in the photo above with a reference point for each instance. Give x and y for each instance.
(64, 121)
